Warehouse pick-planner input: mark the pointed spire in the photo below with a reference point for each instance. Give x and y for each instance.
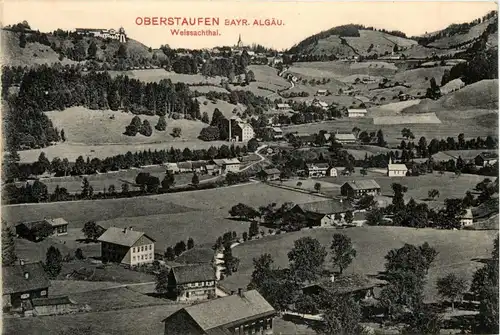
(390, 160)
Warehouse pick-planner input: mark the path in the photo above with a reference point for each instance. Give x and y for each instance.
(262, 158)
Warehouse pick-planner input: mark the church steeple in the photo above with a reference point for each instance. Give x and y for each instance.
(240, 43)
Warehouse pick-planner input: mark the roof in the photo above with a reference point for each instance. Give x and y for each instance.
(366, 184)
(283, 105)
(196, 255)
(198, 164)
(347, 284)
(185, 165)
(14, 280)
(318, 165)
(231, 161)
(122, 236)
(357, 111)
(55, 300)
(214, 314)
(31, 225)
(397, 167)
(321, 103)
(326, 207)
(468, 214)
(276, 129)
(193, 273)
(219, 162)
(345, 137)
(321, 90)
(56, 222)
(488, 155)
(272, 171)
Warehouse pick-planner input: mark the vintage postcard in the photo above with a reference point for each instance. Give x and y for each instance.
(218, 167)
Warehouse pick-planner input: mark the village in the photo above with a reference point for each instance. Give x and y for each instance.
(245, 190)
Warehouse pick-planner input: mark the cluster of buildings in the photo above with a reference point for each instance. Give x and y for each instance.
(212, 167)
(104, 33)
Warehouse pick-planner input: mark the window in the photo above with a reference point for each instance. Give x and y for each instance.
(133, 249)
(150, 247)
(133, 258)
(142, 257)
(142, 248)
(43, 292)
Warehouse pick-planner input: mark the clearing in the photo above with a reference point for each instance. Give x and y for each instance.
(155, 75)
(407, 119)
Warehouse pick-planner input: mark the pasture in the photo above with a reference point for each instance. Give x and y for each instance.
(93, 127)
(155, 75)
(427, 118)
(225, 107)
(457, 251)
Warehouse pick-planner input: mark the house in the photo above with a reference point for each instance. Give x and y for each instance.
(356, 112)
(199, 166)
(396, 170)
(22, 283)
(347, 138)
(213, 169)
(467, 219)
(320, 104)
(239, 313)
(192, 282)
(269, 174)
(196, 255)
(318, 170)
(321, 93)
(277, 133)
(486, 158)
(227, 165)
(240, 131)
(283, 107)
(54, 305)
(306, 139)
(172, 168)
(324, 213)
(126, 246)
(185, 167)
(104, 33)
(334, 171)
(357, 286)
(404, 97)
(38, 230)
(358, 188)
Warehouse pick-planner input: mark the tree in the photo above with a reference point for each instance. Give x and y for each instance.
(342, 317)
(230, 262)
(398, 199)
(366, 202)
(407, 258)
(87, 190)
(195, 181)
(92, 231)
(452, 287)
(252, 145)
(53, 262)
(423, 321)
(146, 129)
(205, 118)
(317, 187)
(63, 135)
(429, 254)
(209, 134)
(122, 51)
(348, 217)
(92, 50)
(168, 181)
(179, 248)
(176, 132)
(79, 254)
(134, 127)
(433, 92)
(254, 229)
(162, 123)
(190, 244)
(375, 217)
(306, 304)
(433, 194)
(9, 256)
(169, 254)
(307, 258)
(342, 251)
(22, 40)
(243, 211)
(162, 281)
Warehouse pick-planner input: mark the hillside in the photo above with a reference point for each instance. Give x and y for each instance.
(48, 48)
(351, 40)
(480, 95)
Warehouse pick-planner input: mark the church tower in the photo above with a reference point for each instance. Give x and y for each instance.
(240, 43)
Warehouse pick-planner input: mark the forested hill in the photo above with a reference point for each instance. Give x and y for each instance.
(353, 39)
(23, 46)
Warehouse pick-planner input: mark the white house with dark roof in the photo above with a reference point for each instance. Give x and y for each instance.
(396, 170)
(345, 138)
(318, 170)
(325, 213)
(239, 313)
(467, 219)
(358, 188)
(192, 282)
(356, 113)
(126, 246)
(23, 282)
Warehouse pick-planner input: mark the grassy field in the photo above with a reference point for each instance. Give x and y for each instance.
(339, 69)
(427, 118)
(225, 107)
(155, 75)
(457, 249)
(104, 180)
(91, 127)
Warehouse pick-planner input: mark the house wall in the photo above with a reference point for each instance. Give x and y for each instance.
(61, 230)
(332, 172)
(396, 173)
(55, 309)
(466, 222)
(18, 297)
(181, 323)
(143, 251)
(254, 326)
(115, 253)
(197, 291)
(232, 167)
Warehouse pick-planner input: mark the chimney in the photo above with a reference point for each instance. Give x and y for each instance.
(26, 275)
(332, 278)
(240, 292)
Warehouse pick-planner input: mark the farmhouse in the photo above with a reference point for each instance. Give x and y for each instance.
(227, 165)
(357, 188)
(486, 158)
(277, 133)
(334, 171)
(283, 107)
(22, 283)
(53, 305)
(346, 138)
(320, 104)
(467, 219)
(321, 93)
(358, 286)
(196, 255)
(318, 170)
(199, 166)
(241, 313)
(269, 174)
(356, 112)
(324, 213)
(126, 246)
(396, 170)
(240, 131)
(172, 167)
(185, 167)
(306, 139)
(192, 282)
(38, 230)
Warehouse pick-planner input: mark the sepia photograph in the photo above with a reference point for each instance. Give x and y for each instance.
(255, 167)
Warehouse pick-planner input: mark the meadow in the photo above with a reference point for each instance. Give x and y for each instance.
(155, 75)
(457, 251)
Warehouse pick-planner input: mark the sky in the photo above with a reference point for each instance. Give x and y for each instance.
(300, 19)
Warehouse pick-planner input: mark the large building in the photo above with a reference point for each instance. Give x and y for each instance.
(192, 282)
(347, 138)
(23, 282)
(356, 112)
(226, 165)
(126, 246)
(486, 158)
(104, 33)
(396, 170)
(240, 131)
(319, 170)
(239, 313)
(324, 213)
(358, 188)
